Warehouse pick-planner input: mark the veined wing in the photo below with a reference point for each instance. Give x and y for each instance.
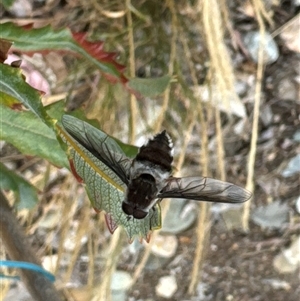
(204, 189)
(99, 162)
(100, 145)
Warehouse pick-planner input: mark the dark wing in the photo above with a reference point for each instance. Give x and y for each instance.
(99, 144)
(204, 189)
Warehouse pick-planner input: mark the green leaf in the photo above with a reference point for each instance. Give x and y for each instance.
(150, 87)
(45, 39)
(26, 194)
(13, 85)
(8, 3)
(31, 136)
(104, 187)
(56, 111)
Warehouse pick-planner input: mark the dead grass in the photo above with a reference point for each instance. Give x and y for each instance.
(131, 28)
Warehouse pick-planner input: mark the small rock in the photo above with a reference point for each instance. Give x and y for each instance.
(120, 283)
(49, 263)
(239, 127)
(296, 136)
(290, 34)
(292, 168)
(156, 262)
(274, 215)
(252, 43)
(240, 87)
(231, 104)
(289, 259)
(21, 8)
(72, 237)
(298, 204)
(266, 115)
(180, 216)
(18, 292)
(166, 287)
(203, 293)
(232, 217)
(277, 284)
(286, 89)
(164, 245)
(51, 219)
(163, 248)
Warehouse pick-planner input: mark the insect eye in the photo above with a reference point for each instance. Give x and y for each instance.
(136, 213)
(127, 208)
(139, 214)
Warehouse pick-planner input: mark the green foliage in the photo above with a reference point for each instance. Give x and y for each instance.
(13, 86)
(7, 3)
(46, 38)
(105, 189)
(37, 132)
(31, 136)
(26, 195)
(150, 87)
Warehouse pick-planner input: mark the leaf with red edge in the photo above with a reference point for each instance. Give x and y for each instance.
(111, 224)
(45, 39)
(104, 186)
(74, 172)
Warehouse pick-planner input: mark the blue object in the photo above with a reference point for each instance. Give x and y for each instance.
(26, 266)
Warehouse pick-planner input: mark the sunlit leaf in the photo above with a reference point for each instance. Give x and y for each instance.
(26, 194)
(150, 87)
(13, 86)
(105, 189)
(30, 135)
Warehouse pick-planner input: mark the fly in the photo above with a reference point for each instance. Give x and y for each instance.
(148, 176)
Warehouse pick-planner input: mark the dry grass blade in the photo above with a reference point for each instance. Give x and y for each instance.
(258, 8)
(220, 63)
(158, 124)
(220, 146)
(201, 45)
(81, 231)
(286, 25)
(166, 99)
(223, 75)
(103, 292)
(133, 104)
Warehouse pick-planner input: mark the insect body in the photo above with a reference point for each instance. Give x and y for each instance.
(148, 176)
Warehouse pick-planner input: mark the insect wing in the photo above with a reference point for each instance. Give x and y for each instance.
(100, 145)
(204, 189)
(88, 149)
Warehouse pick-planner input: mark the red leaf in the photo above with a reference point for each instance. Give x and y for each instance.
(96, 50)
(28, 39)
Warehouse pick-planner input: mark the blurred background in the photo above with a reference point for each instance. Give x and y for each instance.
(231, 105)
